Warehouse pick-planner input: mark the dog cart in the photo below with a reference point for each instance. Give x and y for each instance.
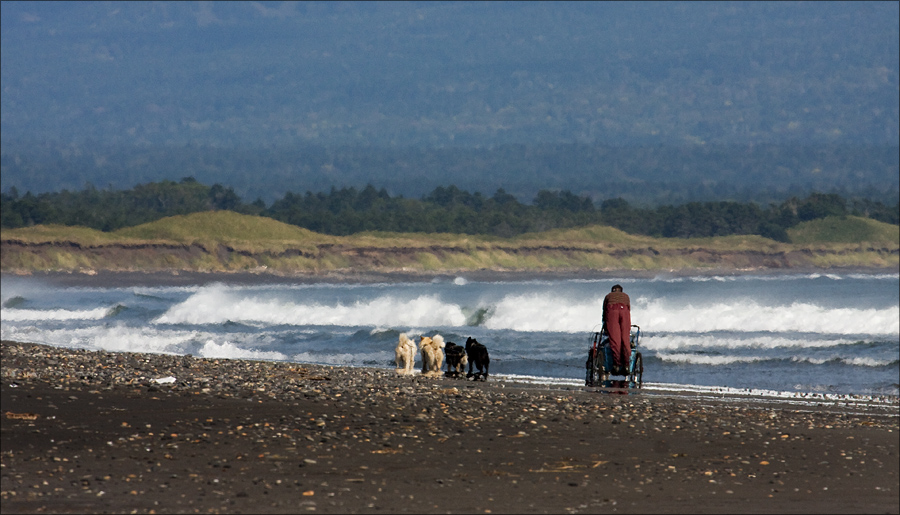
(600, 363)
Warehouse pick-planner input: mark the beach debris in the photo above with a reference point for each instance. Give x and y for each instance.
(21, 416)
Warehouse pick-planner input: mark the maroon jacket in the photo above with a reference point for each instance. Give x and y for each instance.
(615, 297)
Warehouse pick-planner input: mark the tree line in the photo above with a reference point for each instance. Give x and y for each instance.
(648, 175)
(446, 209)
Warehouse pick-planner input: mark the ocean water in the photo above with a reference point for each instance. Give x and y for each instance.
(799, 334)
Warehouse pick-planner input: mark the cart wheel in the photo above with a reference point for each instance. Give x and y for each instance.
(588, 372)
(600, 364)
(638, 372)
(594, 370)
(591, 375)
(596, 367)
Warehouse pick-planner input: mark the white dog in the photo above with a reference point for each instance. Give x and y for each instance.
(432, 355)
(405, 355)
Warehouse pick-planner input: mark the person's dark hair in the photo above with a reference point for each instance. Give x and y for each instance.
(617, 287)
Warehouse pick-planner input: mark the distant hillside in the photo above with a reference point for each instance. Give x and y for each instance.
(844, 229)
(224, 227)
(657, 102)
(229, 242)
(443, 74)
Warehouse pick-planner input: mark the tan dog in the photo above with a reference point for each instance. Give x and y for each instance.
(405, 355)
(432, 355)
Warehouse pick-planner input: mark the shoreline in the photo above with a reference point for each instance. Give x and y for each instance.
(111, 278)
(94, 431)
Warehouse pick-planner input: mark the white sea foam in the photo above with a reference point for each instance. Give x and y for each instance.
(681, 341)
(110, 338)
(716, 360)
(531, 379)
(877, 277)
(675, 389)
(25, 315)
(858, 361)
(544, 312)
(217, 305)
(228, 350)
(142, 290)
(547, 311)
(795, 397)
(768, 278)
(750, 316)
(705, 359)
(553, 312)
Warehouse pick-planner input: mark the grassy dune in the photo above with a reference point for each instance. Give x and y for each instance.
(214, 228)
(849, 229)
(226, 241)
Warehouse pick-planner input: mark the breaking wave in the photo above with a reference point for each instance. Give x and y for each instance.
(217, 305)
(25, 315)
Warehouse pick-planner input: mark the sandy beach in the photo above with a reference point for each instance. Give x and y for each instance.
(106, 432)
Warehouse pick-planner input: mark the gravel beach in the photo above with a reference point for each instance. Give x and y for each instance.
(98, 432)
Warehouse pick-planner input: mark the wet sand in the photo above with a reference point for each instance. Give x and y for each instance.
(96, 432)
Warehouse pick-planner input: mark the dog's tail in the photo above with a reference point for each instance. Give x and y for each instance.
(404, 338)
(439, 340)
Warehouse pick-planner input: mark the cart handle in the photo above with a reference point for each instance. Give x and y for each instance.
(637, 335)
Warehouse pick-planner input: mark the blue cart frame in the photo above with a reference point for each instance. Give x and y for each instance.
(599, 365)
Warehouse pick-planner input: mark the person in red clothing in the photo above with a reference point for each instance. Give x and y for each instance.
(617, 317)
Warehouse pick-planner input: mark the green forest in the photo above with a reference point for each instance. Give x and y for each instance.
(644, 176)
(446, 209)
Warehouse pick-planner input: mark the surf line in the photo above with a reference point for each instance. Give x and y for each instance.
(544, 361)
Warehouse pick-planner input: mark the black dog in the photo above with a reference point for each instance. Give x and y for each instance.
(456, 359)
(478, 356)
